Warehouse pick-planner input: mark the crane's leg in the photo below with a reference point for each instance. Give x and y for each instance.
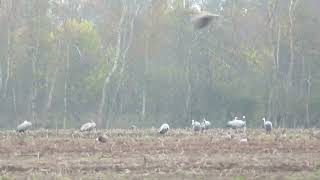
(82, 134)
(88, 134)
(94, 132)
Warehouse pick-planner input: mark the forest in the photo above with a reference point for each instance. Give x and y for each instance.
(124, 62)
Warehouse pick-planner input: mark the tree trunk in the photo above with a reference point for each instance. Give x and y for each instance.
(50, 95)
(123, 65)
(143, 109)
(14, 102)
(35, 71)
(291, 40)
(307, 124)
(114, 68)
(144, 86)
(273, 102)
(9, 45)
(34, 92)
(292, 56)
(52, 88)
(189, 88)
(1, 77)
(66, 83)
(270, 106)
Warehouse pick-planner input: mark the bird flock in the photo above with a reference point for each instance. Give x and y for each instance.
(196, 126)
(200, 19)
(205, 125)
(164, 128)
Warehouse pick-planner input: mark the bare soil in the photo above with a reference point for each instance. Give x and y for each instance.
(145, 154)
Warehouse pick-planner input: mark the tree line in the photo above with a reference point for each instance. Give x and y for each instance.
(123, 62)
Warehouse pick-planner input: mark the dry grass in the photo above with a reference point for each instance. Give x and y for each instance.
(144, 154)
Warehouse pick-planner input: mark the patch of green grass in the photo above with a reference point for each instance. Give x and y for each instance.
(239, 178)
(315, 175)
(25, 138)
(4, 178)
(311, 175)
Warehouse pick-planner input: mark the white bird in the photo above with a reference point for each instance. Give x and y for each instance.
(133, 127)
(88, 126)
(196, 126)
(164, 128)
(24, 126)
(236, 123)
(267, 125)
(205, 124)
(244, 140)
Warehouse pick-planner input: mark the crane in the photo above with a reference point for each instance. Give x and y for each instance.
(236, 123)
(88, 126)
(24, 126)
(196, 126)
(205, 124)
(164, 128)
(267, 125)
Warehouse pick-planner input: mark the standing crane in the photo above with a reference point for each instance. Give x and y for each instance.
(196, 126)
(205, 124)
(236, 123)
(267, 125)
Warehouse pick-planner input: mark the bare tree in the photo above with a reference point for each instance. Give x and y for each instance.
(144, 91)
(9, 13)
(66, 84)
(115, 64)
(128, 38)
(292, 7)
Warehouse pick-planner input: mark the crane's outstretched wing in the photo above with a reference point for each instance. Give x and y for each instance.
(202, 19)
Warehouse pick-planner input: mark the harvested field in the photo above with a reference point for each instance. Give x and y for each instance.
(144, 154)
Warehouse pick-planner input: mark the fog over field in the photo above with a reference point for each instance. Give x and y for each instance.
(145, 62)
(159, 89)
